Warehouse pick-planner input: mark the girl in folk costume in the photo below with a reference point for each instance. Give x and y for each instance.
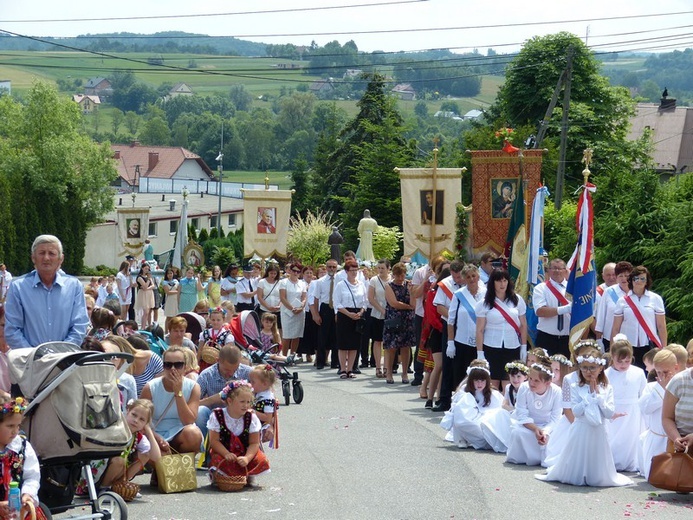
(234, 435)
(628, 382)
(587, 459)
(653, 440)
(498, 423)
(262, 378)
(213, 338)
(102, 323)
(472, 402)
(430, 343)
(537, 411)
(18, 460)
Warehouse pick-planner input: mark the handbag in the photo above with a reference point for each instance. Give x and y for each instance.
(394, 324)
(176, 472)
(672, 471)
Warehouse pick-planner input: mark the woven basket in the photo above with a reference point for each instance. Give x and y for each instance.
(209, 353)
(230, 483)
(126, 489)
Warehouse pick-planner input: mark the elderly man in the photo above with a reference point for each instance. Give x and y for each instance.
(553, 310)
(45, 304)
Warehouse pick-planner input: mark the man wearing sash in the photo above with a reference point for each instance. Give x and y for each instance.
(322, 311)
(553, 310)
(607, 303)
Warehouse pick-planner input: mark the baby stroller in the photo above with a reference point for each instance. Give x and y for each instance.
(73, 417)
(245, 327)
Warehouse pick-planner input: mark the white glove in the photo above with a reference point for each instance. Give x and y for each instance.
(523, 352)
(564, 309)
(480, 354)
(451, 350)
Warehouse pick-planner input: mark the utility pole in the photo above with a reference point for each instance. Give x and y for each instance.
(220, 158)
(560, 174)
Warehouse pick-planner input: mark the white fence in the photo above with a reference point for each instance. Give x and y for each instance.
(228, 189)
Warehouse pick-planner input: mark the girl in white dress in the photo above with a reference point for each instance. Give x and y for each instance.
(537, 411)
(497, 423)
(476, 399)
(628, 382)
(653, 440)
(587, 460)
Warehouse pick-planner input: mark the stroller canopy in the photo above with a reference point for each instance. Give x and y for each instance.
(245, 327)
(30, 368)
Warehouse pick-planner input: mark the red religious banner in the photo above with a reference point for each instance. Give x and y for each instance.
(495, 181)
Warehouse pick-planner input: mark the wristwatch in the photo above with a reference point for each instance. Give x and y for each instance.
(180, 393)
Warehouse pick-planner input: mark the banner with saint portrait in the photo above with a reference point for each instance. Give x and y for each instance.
(428, 209)
(265, 222)
(495, 185)
(133, 229)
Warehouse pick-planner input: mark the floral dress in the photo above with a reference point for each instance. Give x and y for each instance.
(402, 336)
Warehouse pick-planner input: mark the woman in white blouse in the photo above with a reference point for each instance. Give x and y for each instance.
(292, 295)
(268, 293)
(376, 297)
(349, 300)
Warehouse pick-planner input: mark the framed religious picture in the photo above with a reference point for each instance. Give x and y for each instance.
(133, 227)
(266, 220)
(427, 209)
(502, 193)
(194, 255)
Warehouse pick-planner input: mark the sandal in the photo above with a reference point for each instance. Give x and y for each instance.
(390, 381)
(342, 375)
(405, 381)
(379, 373)
(351, 375)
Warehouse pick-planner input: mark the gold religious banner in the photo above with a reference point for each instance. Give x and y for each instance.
(495, 184)
(429, 199)
(265, 222)
(133, 228)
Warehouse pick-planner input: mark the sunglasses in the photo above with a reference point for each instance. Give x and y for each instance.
(640, 278)
(295, 270)
(178, 365)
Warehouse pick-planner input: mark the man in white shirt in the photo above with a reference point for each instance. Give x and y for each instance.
(322, 311)
(246, 290)
(485, 267)
(553, 310)
(5, 279)
(607, 303)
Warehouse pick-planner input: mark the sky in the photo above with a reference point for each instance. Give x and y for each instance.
(387, 25)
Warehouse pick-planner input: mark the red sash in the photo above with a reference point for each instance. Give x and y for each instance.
(642, 322)
(561, 299)
(600, 290)
(509, 319)
(445, 289)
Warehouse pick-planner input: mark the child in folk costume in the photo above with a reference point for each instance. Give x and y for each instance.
(213, 338)
(537, 410)
(587, 459)
(475, 399)
(262, 378)
(497, 423)
(653, 440)
(234, 435)
(628, 382)
(18, 461)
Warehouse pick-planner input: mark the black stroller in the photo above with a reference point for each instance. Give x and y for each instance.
(73, 417)
(245, 327)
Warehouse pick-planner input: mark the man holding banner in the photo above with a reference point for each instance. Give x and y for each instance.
(553, 310)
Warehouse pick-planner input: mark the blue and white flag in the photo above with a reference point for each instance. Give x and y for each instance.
(535, 260)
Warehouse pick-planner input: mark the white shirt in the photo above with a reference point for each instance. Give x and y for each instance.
(498, 333)
(441, 297)
(543, 297)
(124, 289)
(543, 410)
(606, 308)
(465, 331)
(270, 292)
(294, 293)
(650, 305)
(5, 279)
(245, 285)
(234, 425)
(347, 295)
(322, 289)
(379, 288)
(419, 278)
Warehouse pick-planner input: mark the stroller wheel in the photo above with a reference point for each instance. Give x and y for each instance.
(112, 505)
(297, 391)
(46, 511)
(286, 391)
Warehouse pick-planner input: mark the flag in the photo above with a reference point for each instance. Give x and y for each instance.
(516, 242)
(582, 281)
(535, 260)
(181, 237)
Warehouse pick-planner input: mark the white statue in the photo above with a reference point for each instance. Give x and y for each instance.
(367, 226)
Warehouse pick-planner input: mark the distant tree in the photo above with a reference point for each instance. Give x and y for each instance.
(650, 91)
(450, 106)
(421, 110)
(155, 132)
(299, 178)
(240, 97)
(117, 119)
(307, 237)
(132, 122)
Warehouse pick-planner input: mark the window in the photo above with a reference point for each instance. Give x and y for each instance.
(195, 223)
(232, 220)
(152, 229)
(213, 222)
(173, 226)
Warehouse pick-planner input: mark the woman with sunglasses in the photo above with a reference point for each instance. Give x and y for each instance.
(176, 401)
(293, 293)
(640, 315)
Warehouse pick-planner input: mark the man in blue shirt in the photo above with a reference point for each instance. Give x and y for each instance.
(45, 304)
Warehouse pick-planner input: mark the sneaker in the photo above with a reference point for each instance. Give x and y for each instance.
(138, 495)
(291, 359)
(356, 371)
(429, 404)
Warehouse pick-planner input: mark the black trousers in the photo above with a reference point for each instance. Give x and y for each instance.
(464, 355)
(327, 337)
(418, 365)
(553, 344)
(446, 378)
(365, 342)
(245, 307)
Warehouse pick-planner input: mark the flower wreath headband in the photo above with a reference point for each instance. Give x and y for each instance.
(483, 369)
(517, 366)
(560, 358)
(235, 385)
(16, 405)
(591, 359)
(217, 309)
(542, 368)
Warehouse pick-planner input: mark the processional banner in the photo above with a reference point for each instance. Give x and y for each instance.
(133, 229)
(429, 201)
(265, 222)
(495, 185)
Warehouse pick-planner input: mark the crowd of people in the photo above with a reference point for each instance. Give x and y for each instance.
(456, 331)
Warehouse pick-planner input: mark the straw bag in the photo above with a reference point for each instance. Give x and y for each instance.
(126, 489)
(672, 471)
(230, 482)
(209, 353)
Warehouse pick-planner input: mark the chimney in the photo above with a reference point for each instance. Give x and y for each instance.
(172, 205)
(134, 143)
(667, 104)
(153, 160)
(116, 155)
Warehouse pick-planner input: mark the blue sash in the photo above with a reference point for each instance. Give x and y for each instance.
(467, 306)
(612, 294)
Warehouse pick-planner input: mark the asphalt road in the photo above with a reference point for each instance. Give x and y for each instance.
(357, 449)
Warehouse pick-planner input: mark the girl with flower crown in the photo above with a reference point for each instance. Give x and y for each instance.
(537, 411)
(234, 435)
(18, 460)
(588, 461)
(470, 403)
